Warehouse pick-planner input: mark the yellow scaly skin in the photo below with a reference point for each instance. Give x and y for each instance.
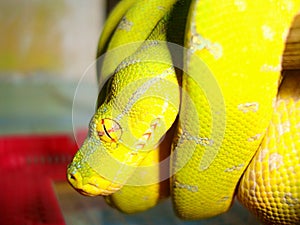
(270, 187)
(133, 199)
(244, 58)
(240, 43)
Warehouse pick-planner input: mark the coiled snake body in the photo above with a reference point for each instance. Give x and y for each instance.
(229, 129)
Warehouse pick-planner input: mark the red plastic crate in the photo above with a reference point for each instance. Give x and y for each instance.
(28, 167)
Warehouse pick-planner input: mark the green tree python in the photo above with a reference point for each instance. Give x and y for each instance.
(196, 107)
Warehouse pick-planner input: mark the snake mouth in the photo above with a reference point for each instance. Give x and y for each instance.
(92, 190)
(91, 186)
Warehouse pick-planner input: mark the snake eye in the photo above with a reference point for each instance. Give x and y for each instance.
(109, 130)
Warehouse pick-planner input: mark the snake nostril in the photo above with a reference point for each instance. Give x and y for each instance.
(74, 178)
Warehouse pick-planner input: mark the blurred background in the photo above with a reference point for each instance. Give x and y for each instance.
(45, 48)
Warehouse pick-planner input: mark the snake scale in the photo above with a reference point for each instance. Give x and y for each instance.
(196, 106)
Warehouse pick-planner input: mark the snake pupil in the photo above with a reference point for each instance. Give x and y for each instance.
(107, 133)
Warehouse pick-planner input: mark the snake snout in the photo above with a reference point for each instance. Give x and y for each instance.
(92, 185)
(74, 178)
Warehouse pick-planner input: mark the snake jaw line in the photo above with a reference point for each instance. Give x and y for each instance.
(83, 177)
(90, 185)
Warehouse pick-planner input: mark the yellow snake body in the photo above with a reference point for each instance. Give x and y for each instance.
(227, 137)
(270, 186)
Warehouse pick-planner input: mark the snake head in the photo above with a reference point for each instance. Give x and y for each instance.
(103, 163)
(81, 174)
(126, 127)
